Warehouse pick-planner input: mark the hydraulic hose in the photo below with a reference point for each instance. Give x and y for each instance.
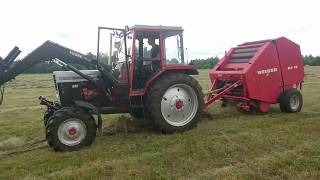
(1, 94)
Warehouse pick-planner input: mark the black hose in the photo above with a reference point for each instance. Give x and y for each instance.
(1, 94)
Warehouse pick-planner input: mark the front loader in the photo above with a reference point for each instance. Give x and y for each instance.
(48, 51)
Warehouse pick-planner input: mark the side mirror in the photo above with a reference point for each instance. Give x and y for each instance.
(117, 45)
(114, 58)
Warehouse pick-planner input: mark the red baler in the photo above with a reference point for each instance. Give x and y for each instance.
(258, 74)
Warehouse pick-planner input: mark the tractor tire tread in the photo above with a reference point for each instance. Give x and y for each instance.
(58, 117)
(285, 101)
(156, 91)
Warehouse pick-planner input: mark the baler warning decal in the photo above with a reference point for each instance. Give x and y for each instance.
(292, 67)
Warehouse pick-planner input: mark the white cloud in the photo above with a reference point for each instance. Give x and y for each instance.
(211, 27)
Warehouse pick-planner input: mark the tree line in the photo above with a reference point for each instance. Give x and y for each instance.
(311, 61)
(209, 63)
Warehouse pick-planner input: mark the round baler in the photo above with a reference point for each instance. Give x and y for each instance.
(258, 74)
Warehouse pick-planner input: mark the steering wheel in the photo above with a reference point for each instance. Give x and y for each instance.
(107, 71)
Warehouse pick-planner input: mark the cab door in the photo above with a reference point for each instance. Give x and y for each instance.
(112, 56)
(143, 69)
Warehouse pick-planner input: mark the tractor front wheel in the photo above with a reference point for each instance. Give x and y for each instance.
(70, 129)
(175, 103)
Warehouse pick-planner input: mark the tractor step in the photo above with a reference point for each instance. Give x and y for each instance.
(137, 106)
(136, 102)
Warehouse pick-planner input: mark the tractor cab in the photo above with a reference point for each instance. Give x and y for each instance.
(138, 55)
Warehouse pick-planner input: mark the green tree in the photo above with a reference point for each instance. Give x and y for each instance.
(208, 63)
(312, 61)
(173, 61)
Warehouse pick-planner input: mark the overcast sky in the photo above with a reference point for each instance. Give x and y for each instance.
(211, 27)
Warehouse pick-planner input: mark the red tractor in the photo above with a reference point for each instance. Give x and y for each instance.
(127, 80)
(155, 83)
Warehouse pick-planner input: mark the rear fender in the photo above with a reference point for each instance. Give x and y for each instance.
(187, 71)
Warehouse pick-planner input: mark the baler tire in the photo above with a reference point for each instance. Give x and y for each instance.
(62, 116)
(286, 99)
(155, 97)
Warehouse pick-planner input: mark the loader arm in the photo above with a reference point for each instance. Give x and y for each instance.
(49, 50)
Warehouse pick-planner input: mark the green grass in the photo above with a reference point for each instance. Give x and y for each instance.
(228, 145)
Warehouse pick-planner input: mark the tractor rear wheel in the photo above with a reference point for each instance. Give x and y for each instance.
(70, 129)
(175, 103)
(291, 101)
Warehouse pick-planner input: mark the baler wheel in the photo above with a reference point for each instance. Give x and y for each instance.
(291, 101)
(70, 129)
(175, 103)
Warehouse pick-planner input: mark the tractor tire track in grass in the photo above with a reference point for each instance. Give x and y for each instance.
(4, 110)
(35, 144)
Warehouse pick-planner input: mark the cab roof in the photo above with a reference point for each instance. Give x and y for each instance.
(142, 27)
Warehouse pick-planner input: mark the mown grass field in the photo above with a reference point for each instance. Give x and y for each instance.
(227, 145)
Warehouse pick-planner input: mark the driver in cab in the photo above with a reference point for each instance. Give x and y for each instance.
(154, 53)
(150, 64)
